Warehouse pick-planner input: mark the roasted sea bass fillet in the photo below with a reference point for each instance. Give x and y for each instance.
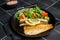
(36, 29)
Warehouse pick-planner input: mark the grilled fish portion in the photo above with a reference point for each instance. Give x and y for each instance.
(36, 29)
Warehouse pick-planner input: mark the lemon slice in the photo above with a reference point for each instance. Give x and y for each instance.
(27, 22)
(32, 22)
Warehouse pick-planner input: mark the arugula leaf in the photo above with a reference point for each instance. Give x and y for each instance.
(31, 11)
(38, 10)
(38, 15)
(18, 13)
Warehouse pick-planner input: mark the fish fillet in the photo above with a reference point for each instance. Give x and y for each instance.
(36, 29)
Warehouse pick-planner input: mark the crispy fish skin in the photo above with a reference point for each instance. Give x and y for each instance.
(36, 29)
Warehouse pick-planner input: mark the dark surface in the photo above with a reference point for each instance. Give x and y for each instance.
(2, 33)
(53, 6)
(2, 2)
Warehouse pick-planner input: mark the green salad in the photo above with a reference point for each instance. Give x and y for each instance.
(32, 16)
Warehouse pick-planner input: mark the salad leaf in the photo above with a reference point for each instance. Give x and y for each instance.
(38, 15)
(26, 12)
(38, 10)
(31, 11)
(18, 13)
